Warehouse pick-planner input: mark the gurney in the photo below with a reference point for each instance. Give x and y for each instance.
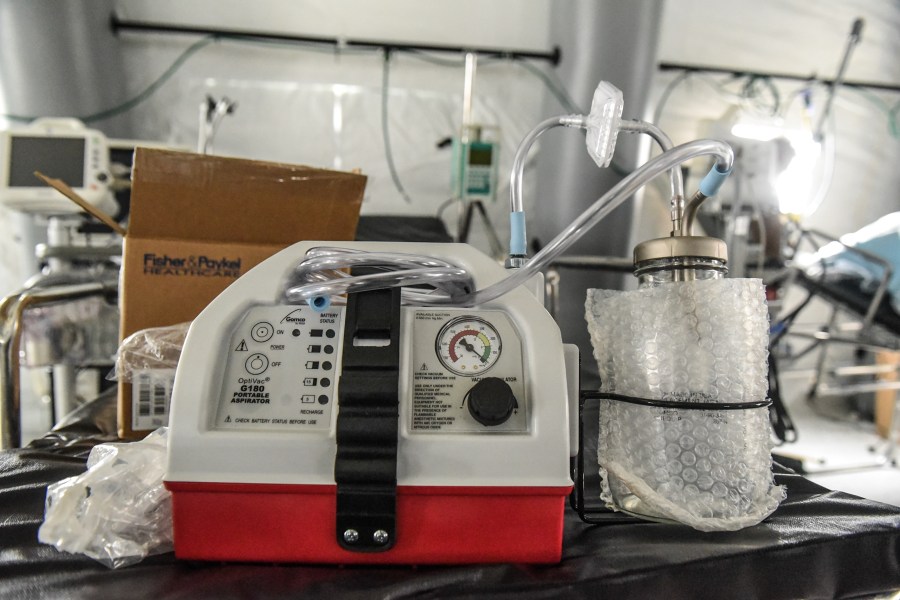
(857, 279)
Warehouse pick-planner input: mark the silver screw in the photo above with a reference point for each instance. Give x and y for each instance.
(351, 536)
(381, 536)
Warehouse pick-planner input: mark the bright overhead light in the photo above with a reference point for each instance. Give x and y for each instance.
(794, 185)
(763, 132)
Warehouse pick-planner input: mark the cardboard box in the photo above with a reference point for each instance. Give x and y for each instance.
(197, 223)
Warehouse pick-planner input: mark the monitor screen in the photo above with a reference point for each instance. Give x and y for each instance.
(481, 155)
(62, 158)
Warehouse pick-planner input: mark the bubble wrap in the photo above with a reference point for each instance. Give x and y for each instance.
(702, 341)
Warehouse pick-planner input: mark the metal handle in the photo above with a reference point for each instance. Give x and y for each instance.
(12, 309)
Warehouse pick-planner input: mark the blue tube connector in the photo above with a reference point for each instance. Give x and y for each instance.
(517, 245)
(713, 181)
(320, 303)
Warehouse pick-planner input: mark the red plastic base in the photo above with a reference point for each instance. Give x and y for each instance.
(435, 525)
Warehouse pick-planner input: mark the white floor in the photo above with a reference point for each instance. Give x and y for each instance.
(836, 449)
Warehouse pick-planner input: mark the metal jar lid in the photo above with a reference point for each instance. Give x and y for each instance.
(681, 246)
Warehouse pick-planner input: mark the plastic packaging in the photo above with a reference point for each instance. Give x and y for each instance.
(148, 350)
(697, 341)
(79, 332)
(117, 512)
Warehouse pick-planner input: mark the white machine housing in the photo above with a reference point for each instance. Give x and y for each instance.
(219, 435)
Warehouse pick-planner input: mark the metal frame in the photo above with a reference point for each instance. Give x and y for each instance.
(865, 338)
(12, 309)
(595, 263)
(811, 78)
(118, 25)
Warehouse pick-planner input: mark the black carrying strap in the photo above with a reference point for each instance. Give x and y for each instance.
(781, 421)
(365, 467)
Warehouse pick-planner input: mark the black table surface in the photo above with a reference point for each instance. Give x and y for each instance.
(818, 544)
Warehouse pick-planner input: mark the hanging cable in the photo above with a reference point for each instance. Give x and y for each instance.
(664, 97)
(141, 97)
(385, 129)
(556, 88)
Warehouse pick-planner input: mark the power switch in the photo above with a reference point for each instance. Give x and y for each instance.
(491, 401)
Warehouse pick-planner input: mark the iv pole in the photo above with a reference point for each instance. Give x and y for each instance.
(468, 133)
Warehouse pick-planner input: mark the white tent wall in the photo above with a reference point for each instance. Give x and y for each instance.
(323, 108)
(806, 39)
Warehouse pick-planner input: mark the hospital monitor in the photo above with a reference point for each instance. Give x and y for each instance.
(60, 148)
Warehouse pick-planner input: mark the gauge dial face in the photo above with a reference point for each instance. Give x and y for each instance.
(468, 346)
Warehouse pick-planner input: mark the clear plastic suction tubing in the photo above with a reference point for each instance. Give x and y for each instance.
(601, 208)
(518, 168)
(676, 181)
(319, 275)
(517, 243)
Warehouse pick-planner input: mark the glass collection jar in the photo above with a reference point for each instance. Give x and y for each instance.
(679, 258)
(654, 272)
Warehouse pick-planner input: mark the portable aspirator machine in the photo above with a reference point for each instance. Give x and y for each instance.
(420, 408)
(328, 436)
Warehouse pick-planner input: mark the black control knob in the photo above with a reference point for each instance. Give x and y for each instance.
(491, 401)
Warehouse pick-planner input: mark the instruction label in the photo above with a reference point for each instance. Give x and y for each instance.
(439, 396)
(281, 371)
(433, 395)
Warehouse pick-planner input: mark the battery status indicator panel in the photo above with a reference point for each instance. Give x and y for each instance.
(281, 370)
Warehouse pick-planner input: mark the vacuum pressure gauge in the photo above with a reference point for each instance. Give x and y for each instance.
(468, 346)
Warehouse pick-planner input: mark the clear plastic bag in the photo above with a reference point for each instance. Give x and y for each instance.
(118, 511)
(149, 349)
(81, 332)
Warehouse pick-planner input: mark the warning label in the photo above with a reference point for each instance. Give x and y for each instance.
(432, 415)
(433, 408)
